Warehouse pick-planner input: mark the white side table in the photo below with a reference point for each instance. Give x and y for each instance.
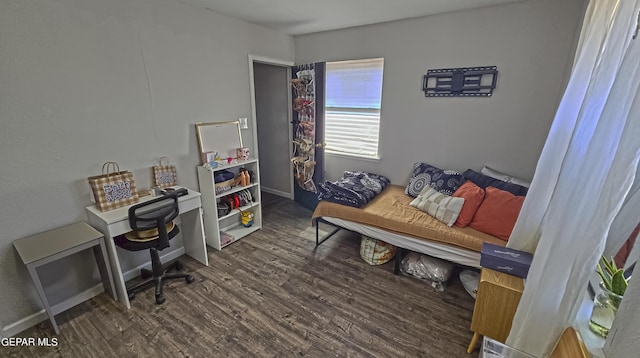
(49, 246)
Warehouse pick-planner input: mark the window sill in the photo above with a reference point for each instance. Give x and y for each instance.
(352, 156)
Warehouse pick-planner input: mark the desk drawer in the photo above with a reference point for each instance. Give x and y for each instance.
(189, 204)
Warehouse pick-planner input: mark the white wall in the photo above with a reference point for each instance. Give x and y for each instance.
(531, 42)
(87, 81)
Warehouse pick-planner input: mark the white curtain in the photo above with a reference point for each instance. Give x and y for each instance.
(622, 340)
(584, 176)
(626, 220)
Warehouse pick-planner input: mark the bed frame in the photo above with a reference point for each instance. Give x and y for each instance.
(403, 243)
(400, 252)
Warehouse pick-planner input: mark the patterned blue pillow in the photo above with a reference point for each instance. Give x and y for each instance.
(484, 181)
(444, 181)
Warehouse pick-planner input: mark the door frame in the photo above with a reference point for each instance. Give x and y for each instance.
(287, 65)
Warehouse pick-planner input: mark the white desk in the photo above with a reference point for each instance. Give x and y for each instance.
(116, 222)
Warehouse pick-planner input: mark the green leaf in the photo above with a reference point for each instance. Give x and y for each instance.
(612, 277)
(606, 278)
(618, 283)
(610, 266)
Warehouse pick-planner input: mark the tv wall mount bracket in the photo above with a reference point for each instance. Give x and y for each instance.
(460, 82)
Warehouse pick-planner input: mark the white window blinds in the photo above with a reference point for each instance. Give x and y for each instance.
(352, 106)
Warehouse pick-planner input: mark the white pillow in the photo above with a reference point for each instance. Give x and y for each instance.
(504, 177)
(443, 207)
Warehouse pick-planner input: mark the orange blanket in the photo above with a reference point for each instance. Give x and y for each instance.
(390, 210)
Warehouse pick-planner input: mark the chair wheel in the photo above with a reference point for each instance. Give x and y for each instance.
(189, 279)
(178, 266)
(131, 295)
(160, 299)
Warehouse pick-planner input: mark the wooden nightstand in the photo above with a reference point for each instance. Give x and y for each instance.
(496, 302)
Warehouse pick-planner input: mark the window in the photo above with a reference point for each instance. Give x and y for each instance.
(352, 107)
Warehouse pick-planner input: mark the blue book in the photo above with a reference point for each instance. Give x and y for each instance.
(503, 259)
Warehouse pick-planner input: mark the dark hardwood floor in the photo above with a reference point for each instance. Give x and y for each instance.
(272, 294)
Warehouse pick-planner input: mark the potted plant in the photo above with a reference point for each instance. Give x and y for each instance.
(607, 301)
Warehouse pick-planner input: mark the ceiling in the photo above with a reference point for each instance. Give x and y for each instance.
(297, 17)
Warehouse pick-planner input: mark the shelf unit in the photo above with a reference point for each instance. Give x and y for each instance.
(231, 224)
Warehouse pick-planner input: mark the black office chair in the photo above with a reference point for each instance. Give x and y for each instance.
(153, 227)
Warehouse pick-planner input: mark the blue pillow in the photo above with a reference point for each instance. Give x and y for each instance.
(444, 181)
(484, 181)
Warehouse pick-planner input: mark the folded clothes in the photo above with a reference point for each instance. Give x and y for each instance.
(223, 175)
(353, 189)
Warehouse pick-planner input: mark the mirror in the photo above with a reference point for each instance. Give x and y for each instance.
(221, 137)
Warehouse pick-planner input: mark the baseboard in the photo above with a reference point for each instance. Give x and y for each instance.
(33, 319)
(277, 192)
(135, 272)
